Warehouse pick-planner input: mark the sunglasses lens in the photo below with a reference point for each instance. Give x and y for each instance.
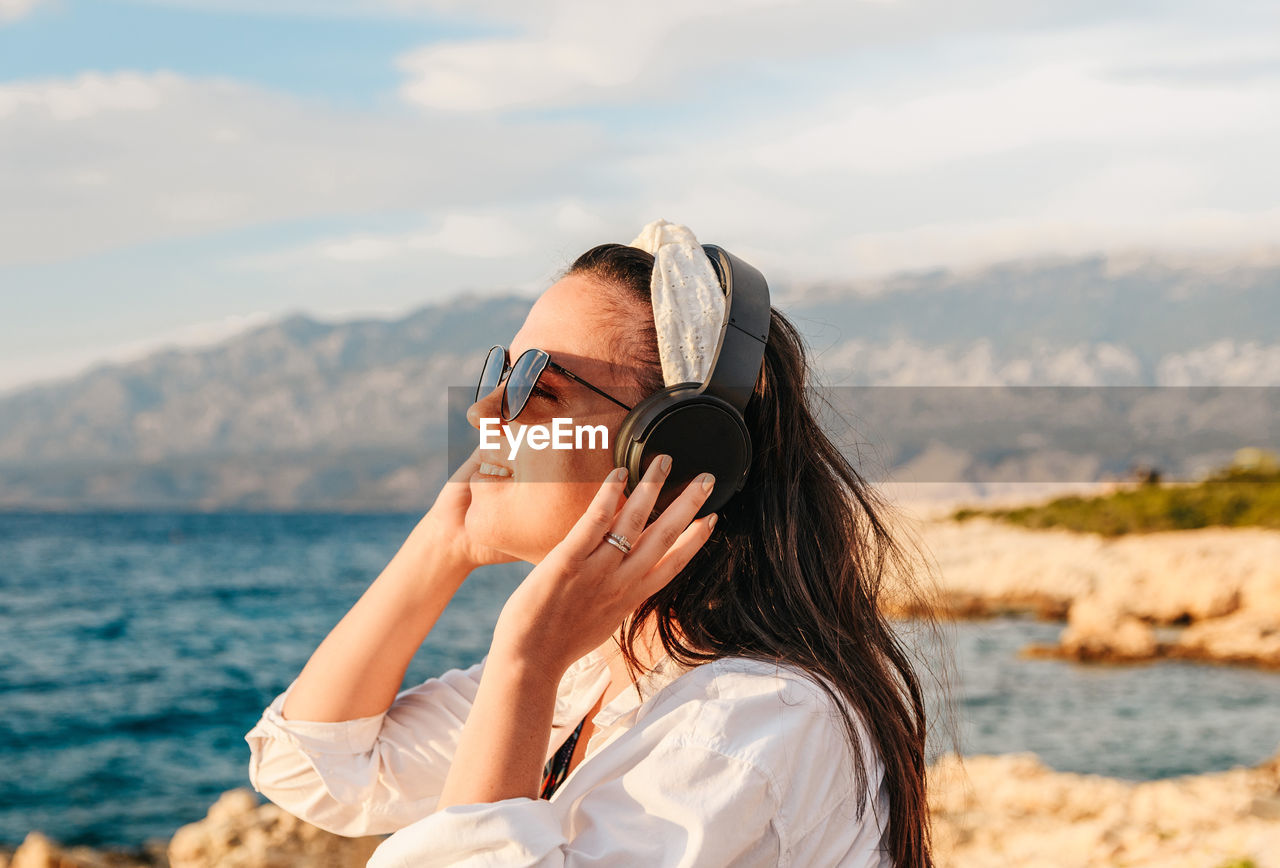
(524, 376)
(491, 375)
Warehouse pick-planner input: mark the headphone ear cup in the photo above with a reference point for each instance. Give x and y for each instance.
(628, 448)
(701, 433)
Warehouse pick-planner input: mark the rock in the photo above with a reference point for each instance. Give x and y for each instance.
(232, 805)
(39, 851)
(36, 851)
(1099, 629)
(238, 832)
(1249, 637)
(1007, 811)
(1222, 582)
(1011, 810)
(986, 568)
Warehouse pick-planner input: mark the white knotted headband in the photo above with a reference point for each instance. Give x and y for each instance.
(688, 303)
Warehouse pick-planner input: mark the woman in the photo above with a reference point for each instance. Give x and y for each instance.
(773, 717)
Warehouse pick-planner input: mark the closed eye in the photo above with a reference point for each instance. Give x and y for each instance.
(545, 395)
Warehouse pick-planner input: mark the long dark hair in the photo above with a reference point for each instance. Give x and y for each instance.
(794, 569)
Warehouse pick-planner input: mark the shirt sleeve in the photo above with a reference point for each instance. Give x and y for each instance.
(370, 775)
(683, 804)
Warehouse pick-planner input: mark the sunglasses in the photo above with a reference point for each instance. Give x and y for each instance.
(523, 378)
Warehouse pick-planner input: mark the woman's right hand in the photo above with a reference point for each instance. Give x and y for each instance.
(447, 519)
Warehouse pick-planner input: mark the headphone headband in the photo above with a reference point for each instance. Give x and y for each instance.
(735, 367)
(701, 425)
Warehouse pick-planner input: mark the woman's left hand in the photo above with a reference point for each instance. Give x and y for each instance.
(579, 594)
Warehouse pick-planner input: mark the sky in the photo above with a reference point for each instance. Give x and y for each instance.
(175, 171)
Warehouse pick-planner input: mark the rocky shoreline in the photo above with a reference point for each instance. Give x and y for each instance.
(988, 812)
(1210, 595)
(1011, 810)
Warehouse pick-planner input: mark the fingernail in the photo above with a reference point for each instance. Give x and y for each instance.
(664, 463)
(619, 474)
(711, 522)
(707, 481)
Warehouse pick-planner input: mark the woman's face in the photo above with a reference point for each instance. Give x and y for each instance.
(529, 512)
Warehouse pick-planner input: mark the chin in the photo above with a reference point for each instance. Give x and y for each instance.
(491, 527)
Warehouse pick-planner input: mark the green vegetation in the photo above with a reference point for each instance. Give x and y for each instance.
(1239, 863)
(1246, 493)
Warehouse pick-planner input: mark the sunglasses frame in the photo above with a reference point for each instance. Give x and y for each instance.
(545, 361)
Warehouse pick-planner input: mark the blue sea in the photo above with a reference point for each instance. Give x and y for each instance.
(137, 649)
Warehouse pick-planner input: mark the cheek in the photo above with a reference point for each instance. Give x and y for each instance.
(549, 501)
(586, 466)
(547, 513)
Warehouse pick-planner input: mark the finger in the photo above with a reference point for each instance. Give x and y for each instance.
(587, 533)
(678, 555)
(631, 519)
(666, 529)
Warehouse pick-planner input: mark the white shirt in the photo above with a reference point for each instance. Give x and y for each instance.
(734, 762)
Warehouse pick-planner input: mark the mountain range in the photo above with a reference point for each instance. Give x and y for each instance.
(353, 415)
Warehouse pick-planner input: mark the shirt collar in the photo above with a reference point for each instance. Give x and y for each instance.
(624, 708)
(580, 686)
(586, 679)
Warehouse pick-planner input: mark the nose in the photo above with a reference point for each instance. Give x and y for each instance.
(486, 407)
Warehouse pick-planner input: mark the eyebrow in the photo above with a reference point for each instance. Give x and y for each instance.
(571, 375)
(560, 361)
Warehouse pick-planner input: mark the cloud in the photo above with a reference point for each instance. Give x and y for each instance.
(12, 10)
(1061, 104)
(578, 53)
(88, 95)
(1224, 363)
(575, 53)
(16, 374)
(105, 160)
(973, 244)
(906, 362)
(517, 248)
(818, 140)
(480, 236)
(856, 141)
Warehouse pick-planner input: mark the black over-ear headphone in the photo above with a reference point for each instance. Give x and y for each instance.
(700, 425)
